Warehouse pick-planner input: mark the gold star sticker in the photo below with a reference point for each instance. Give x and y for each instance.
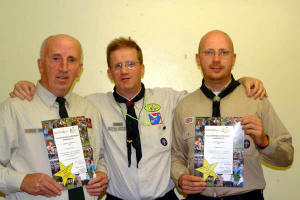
(65, 172)
(207, 169)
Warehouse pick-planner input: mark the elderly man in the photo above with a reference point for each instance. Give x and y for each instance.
(24, 166)
(220, 95)
(137, 126)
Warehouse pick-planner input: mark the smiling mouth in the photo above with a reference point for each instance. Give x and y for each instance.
(216, 68)
(62, 77)
(124, 79)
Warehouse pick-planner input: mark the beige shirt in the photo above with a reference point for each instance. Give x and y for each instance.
(237, 104)
(22, 146)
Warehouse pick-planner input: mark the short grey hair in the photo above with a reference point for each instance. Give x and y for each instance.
(42, 49)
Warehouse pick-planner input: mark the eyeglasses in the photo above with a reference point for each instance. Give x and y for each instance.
(211, 53)
(128, 64)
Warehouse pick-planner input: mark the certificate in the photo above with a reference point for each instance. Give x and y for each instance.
(69, 151)
(218, 147)
(219, 151)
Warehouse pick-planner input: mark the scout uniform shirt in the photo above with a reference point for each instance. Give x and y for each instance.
(279, 152)
(22, 145)
(155, 113)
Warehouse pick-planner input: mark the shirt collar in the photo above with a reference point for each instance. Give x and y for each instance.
(48, 98)
(218, 92)
(132, 97)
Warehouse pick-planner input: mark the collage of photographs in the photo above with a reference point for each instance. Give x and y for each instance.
(83, 124)
(236, 178)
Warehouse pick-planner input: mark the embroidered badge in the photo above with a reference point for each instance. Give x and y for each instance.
(164, 141)
(89, 122)
(188, 120)
(152, 107)
(118, 124)
(155, 118)
(246, 143)
(33, 130)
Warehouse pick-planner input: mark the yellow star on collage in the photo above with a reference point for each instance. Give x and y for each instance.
(65, 172)
(207, 169)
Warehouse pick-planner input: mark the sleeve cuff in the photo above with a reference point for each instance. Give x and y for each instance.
(14, 180)
(270, 149)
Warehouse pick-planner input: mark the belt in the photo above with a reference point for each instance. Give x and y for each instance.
(253, 195)
(168, 196)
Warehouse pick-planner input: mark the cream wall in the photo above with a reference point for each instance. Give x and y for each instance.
(265, 33)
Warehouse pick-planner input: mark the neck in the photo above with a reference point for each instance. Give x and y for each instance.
(217, 85)
(57, 93)
(129, 95)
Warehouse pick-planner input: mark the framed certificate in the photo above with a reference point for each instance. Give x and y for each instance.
(219, 151)
(69, 150)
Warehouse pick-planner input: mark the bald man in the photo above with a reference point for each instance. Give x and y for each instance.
(25, 171)
(265, 135)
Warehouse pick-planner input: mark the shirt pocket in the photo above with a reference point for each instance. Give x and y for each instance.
(189, 140)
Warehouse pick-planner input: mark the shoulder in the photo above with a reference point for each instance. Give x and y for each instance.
(82, 102)
(16, 104)
(101, 100)
(99, 97)
(196, 95)
(165, 93)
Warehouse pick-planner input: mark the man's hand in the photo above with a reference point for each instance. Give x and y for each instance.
(41, 184)
(253, 126)
(255, 88)
(191, 184)
(23, 90)
(97, 186)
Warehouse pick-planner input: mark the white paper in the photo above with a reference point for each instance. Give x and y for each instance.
(69, 149)
(218, 148)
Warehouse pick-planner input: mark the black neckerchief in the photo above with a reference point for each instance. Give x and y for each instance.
(132, 129)
(217, 98)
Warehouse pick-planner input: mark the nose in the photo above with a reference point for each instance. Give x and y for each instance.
(216, 57)
(64, 66)
(124, 69)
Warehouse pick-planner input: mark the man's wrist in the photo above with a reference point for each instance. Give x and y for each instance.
(265, 143)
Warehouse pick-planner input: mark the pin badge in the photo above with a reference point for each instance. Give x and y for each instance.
(246, 143)
(164, 141)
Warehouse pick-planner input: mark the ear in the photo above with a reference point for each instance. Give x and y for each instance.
(142, 70)
(79, 70)
(109, 73)
(233, 59)
(40, 65)
(198, 59)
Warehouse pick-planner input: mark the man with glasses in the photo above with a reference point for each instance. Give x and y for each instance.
(137, 126)
(220, 95)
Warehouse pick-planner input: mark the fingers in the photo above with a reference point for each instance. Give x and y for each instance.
(191, 184)
(98, 185)
(12, 95)
(253, 126)
(96, 189)
(48, 187)
(255, 88)
(29, 91)
(40, 184)
(263, 94)
(23, 90)
(18, 93)
(52, 187)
